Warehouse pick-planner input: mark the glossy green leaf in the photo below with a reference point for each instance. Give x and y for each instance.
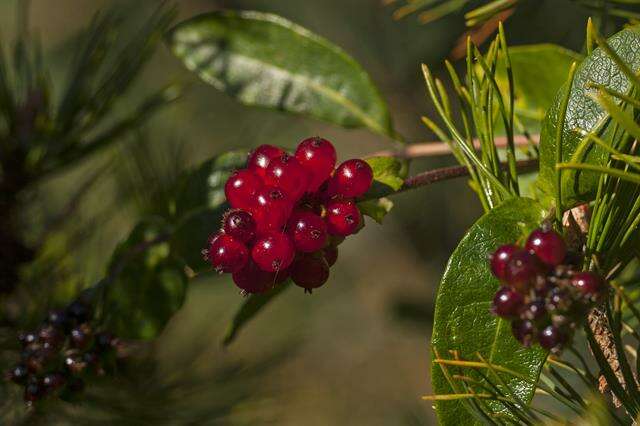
(462, 320)
(584, 115)
(200, 204)
(251, 306)
(146, 284)
(376, 209)
(264, 60)
(388, 176)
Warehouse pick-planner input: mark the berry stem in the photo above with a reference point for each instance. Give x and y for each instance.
(434, 149)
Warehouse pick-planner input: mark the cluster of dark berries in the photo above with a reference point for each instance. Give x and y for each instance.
(289, 213)
(60, 353)
(543, 295)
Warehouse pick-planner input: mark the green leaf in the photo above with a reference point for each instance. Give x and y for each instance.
(250, 308)
(584, 115)
(462, 320)
(388, 176)
(147, 283)
(264, 60)
(200, 204)
(376, 209)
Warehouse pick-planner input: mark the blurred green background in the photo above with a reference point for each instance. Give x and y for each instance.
(356, 351)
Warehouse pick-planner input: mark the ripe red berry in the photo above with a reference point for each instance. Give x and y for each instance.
(286, 173)
(343, 217)
(521, 270)
(318, 156)
(260, 158)
(551, 338)
(239, 224)
(270, 210)
(507, 303)
(251, 279)
(548, 245)
(589, 283)
(500, 259)
(310, 271)
(227, 254)
(273, 252)
(523, 331)
(352, 179)
(331, 255)
(307, 230)
(241, 187)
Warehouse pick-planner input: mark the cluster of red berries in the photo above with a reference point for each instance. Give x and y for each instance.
(543, 295)
(289, 213)
(58, 354)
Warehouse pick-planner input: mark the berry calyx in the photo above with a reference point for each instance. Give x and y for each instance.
(286, 173)
(307, 230)
(522, 268)
(241, 187)
(260, 158)
(507, 303)
(500, 259)
(239, 224)
(547, 245)
(273, 252)
(343, 217)
(352, 179)
(227, 254)
(318, 156)
(270, 210)
(551, 338)
(590, 284)
(310, 271)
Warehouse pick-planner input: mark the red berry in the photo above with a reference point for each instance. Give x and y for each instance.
(251, 279)
(307, 230)
(270, 210)
(241, 187)
(310, 271)
(318, 156)
(260, 158)
(534, 310)
(227, 254)
(507, 302)
(343, 217)
(273, 252)
(286, 173)
(589, 283)
(522, 269)
(551, 338)
(239, 224)
(500, 259)
(523, 331)
(331, 255)
(352, 179)
(548, 245)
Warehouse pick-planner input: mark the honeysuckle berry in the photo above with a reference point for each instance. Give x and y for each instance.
(261, 157)
(227, 254)
(310, 271)
(521, 270)
(273, 252)
(547, 245)
(27, 338)
(240, 225)
(331, 255)
(318, 156)
(351, 179)
(534, 310)
(308, 231)
(343, 217)
(270, 210)
(500, 259)
(53, 381)
(590, 284)
(551, 338)
(251, 279)
(507, 303)
(241, 188)
(286, 173)
(524, 331)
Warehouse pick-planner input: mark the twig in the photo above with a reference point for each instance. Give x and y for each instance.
(434, 149)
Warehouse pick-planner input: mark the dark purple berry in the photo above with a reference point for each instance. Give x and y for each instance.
(590, 284)
(523, 331)
(307, 230)
(53, 381)
(240, 225)
(80, 336)
(500, 259)
(273, 252)
(507, 303)
(18, 374)
(27, 338)
(534, 310)
(318, 156)
(310, 271)
(522, 269)
(551, 338)
(548, 245)
(227, 254)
